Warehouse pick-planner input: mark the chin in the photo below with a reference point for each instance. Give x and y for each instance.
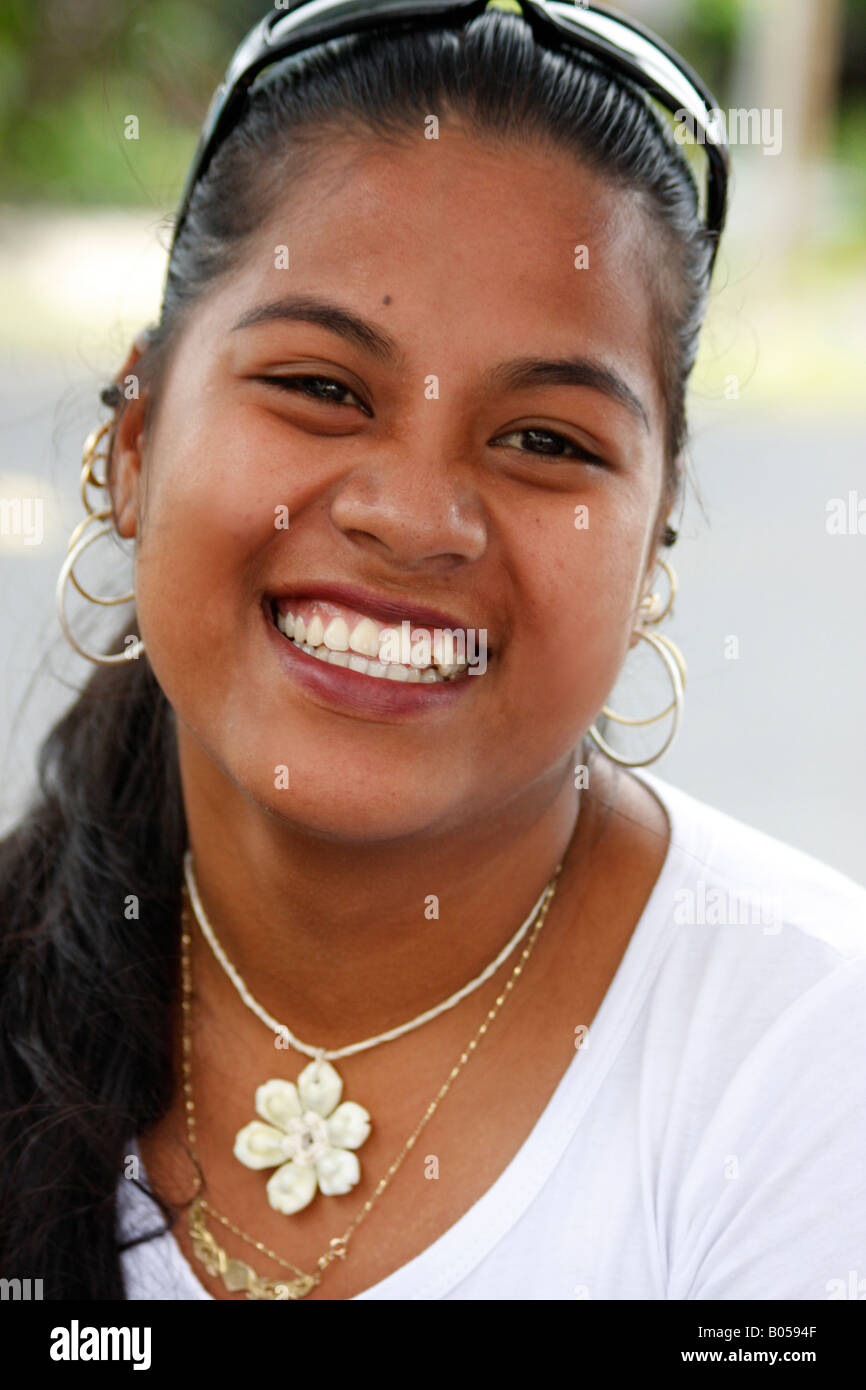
(331, 813)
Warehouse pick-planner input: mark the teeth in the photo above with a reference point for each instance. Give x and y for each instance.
(336, 635)
(365, 667)
(359, 650)
(315, 632)
(365, 638)
(446, 656)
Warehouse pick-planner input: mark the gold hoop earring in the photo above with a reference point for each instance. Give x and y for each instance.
(652, 610)
(89, 457)
(78, 543)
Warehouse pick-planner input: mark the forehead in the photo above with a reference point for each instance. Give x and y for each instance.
(480, 246)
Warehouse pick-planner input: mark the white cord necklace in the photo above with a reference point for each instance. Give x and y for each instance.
(332, 1054)
(308, 1136)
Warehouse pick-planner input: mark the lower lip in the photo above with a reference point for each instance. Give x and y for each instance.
(355, 692)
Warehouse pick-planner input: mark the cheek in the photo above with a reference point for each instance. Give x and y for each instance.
(196, 573)
(582, 602)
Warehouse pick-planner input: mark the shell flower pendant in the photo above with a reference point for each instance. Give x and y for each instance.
(309, 1137)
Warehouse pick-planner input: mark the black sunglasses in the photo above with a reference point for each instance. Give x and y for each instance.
(620, 43)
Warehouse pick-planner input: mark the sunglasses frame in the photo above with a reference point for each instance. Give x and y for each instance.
(621, 43)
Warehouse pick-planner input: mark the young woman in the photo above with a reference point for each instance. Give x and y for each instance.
(338, 926)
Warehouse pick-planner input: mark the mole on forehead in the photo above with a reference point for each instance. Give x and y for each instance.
(386, 299)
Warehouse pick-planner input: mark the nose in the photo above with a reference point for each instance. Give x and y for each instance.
(416, 505)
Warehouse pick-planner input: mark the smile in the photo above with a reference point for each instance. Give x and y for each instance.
(347, 638)
(333, 673)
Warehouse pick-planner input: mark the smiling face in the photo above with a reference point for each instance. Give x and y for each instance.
(415, 463)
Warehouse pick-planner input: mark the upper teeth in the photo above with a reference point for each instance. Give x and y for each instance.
(364, 639)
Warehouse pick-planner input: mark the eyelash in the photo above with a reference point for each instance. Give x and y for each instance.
(299, 383)
(290, 383)
(578, 455)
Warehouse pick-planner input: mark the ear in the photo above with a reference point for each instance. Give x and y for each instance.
(128, 441)
(665, 536)
(646, 590)
(646, 587)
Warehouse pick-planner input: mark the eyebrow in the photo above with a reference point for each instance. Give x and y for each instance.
(518, 374)
(526, 372)
(305, 309)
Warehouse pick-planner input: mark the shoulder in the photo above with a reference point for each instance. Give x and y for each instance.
(752, 1046)
(753, 955)
(723, 873)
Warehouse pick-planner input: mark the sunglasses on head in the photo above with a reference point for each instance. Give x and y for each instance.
(620, 43)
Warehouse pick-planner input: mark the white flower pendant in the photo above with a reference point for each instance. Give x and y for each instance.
(309, 1137)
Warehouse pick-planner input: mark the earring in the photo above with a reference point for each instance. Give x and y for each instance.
(78, 543)
(652, 610)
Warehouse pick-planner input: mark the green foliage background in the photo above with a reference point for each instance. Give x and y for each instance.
(72, 70)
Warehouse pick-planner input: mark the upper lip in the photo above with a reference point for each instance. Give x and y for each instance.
(386, 609)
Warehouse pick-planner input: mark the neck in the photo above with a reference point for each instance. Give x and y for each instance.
(340, 941)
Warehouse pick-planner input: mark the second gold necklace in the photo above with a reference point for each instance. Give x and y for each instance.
(306, 1132)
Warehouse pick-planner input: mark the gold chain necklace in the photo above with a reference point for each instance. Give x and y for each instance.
(236, 1274)
(302, 1130)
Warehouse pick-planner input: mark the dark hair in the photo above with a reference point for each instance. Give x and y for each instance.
(90, 880)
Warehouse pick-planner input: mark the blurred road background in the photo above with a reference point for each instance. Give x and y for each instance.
(770, 611)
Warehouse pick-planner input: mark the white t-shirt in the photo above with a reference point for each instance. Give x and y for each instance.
(708, 1139)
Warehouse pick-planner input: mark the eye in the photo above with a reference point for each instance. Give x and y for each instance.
(317, 388)
(550, 444)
